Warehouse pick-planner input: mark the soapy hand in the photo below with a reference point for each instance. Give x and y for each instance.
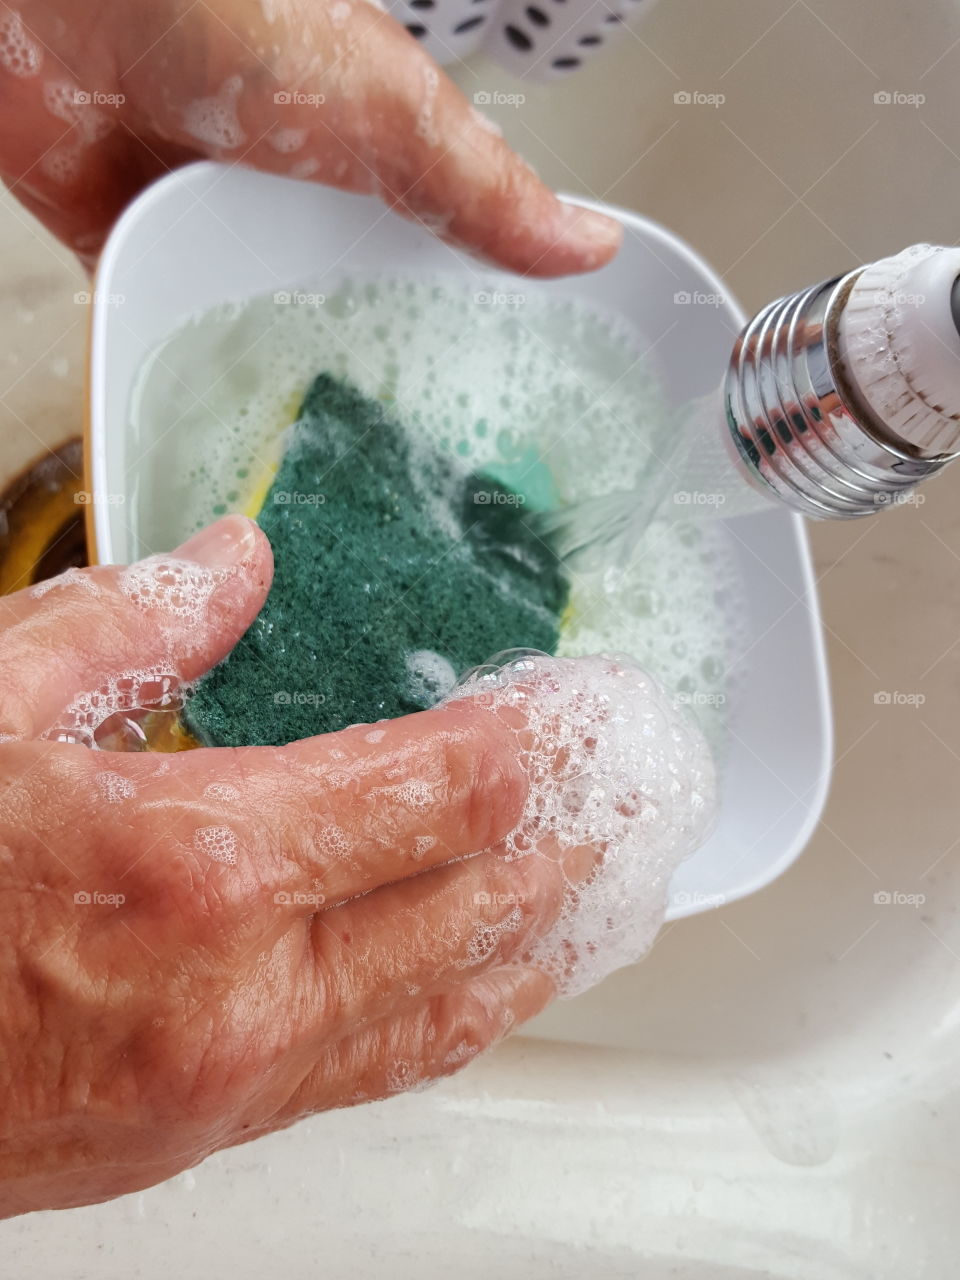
(199, 948)
(99, 99)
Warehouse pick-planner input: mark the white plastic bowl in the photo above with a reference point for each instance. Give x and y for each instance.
(209, 234)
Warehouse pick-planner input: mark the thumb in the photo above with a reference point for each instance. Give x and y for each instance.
(80, 644)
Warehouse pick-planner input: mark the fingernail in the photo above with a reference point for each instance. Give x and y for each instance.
(222, 545)
(592, 230)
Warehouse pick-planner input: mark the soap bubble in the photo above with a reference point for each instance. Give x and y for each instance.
(614, 765)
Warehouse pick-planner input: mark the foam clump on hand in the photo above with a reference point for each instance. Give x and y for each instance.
(615, 766)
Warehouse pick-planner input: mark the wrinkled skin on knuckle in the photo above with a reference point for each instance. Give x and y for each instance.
(118, 1028)
(32, 649)
(501, 205)
(167, 1059)
(497, 791)
(198, 867)
(17, 718)
(396, 1055)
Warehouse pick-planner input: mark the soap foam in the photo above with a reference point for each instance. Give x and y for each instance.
(114, 787)
(430, 677)
(487, 937)
(214, 120)
(287, 140)
(305, 168)
(177, 588)
(63, 99)
(615, 767)
(425, 127)
(126, 691)
(497, 375)
(62, 165)
(218, 843)
(72, 577)
(222, 791)
(19, 52)
(422, 846)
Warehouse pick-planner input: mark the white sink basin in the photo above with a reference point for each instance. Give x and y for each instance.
(773, 1092)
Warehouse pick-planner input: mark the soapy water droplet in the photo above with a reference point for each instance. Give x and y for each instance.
(124, 713)
(63, 99)
(401, 1076)
(69, 578)
(62, 164)
(214, 120)
(20, 54)
(488, 936)
(430, 676)
(423, 844)
(616, 767)
(179, 588)
(425, 127)
(114, 787)
(461, 1054)
(307, 168)
(134, 730)
(287, 141)
(335, 842)
(218, 843)
(416, 793)
(222, 791)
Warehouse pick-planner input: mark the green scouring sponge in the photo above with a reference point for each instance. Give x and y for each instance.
(396, 570)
